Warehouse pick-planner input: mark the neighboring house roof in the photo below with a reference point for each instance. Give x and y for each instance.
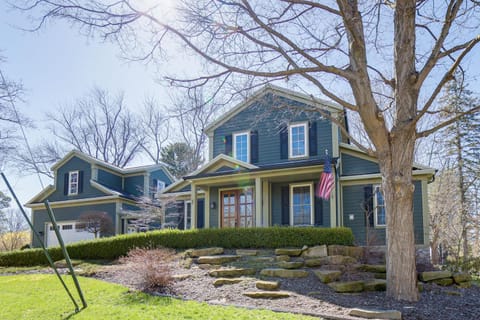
(296, 96)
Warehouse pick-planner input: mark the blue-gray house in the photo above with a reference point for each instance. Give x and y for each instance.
(265, 159)
(85, 185)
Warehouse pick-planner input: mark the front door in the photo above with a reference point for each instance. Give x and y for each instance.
(237, 208)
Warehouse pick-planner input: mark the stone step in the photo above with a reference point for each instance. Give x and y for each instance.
(461, 277)
(233, 272)
(327, 276)
(195, 253)
(338, 250)
(223, 281)
(267, 294)
(284, 273)
(375, 285)
(376, 314)
(434, 275)
(267, 285)
(315, 252)
(288, 252)
(374, 268)
(290, 264)
(334, 260)
(347, 287)
(246, 252)
(221, 259)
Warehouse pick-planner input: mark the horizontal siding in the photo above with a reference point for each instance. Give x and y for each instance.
(109, 179)
(352, 165)
(134, 185)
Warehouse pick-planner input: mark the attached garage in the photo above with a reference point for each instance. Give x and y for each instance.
(71, 231)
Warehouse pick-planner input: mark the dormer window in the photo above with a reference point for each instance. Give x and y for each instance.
(73, 183)
(298, 140)
(160, 185)
(241, 146)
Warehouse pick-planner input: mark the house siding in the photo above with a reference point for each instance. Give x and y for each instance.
(352, 165)
(74, 164)
(68, 214)
(353, 201)
(109, 179)
(260, 116)
(134, 185)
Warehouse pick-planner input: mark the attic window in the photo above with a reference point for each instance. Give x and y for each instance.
(241, 146)
(72, 183)
(297, 140)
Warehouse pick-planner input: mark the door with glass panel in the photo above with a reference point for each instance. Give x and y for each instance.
(237, 208)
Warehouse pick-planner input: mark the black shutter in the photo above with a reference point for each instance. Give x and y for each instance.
(200, 213)
(318, 211)
(65, 184)
(368, 205)
(180, 215)
(80, 181)
(285, 206)
(254, 147)
(312, 139)
(284, 142)
(228, 145)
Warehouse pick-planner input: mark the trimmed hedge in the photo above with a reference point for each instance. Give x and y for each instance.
(229, 238)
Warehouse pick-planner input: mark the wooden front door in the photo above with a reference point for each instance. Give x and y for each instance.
(237, 208)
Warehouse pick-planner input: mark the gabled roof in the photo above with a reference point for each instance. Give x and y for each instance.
(292, 95)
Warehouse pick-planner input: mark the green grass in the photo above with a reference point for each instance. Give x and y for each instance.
(42, 297)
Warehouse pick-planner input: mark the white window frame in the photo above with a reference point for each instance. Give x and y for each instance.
(298, 185)
(70, 184)
(235, 135)
(378, 188)
(290, 141)
(185, 218)
(160, 185)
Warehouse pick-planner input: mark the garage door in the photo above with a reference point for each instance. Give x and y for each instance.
(69, 231)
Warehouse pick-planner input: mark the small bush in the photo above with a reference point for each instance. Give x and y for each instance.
(229, 238)
(150, 268)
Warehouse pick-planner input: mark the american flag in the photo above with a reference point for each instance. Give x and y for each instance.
(325, 185)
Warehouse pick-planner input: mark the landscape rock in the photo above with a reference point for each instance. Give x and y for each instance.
(376, 314)
(194, 253)
(217, 259)
(434, 275)
(443, 282)
(288, 252)
(235, 272)
(284, 273)
(315, 252)
(341, 260)
(181, 277)
(338, 250)
(461, 277)
(290, 265)
(207, 266)
(283, 258)
(246, 252)
(375, 268)
(375, 285)
(222, 281)
(347, 286)
(380, 275)
(316, 262)
(327, 276)
(267, 285)
(267, 294)
(464, 285)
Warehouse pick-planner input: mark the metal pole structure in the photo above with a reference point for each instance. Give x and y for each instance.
(65, 252)
(40, 240)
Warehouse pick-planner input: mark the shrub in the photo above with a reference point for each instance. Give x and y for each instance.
(150, 268)
(229, 238)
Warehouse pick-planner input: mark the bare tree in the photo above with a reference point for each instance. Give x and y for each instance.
(345, 50)
(97, 222)
(156, 126)
(13, 234)
(99, 125)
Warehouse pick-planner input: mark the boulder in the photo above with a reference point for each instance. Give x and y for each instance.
(267, 285)
(246, 252)
(222, 281)
(464, 285)
(376, 314)
(461, 277)
(217, 259)
(338, 250)
(316, 262)
(341, 260)
(290, 265)
(445, 282)
(315, 252)
(235, 272)
(194, 253)
(374, 268)
(288, 252)
(346, 287)
(267, 294)
(283, 258)
(327, 276)
(434, 275)
(375, 285)
(284, 273)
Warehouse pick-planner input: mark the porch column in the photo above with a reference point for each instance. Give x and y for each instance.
(207, 208)
(258, 202)
(266, 204)
(194, 206)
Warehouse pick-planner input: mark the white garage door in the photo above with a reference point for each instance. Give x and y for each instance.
(69, 231)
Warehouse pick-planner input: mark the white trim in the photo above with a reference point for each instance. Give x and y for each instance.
(305, 136)
(225, 158)
(70, 184)
(299, 185)
(79, 202)
(234, 136)
(377, 188)
(185, 214)
(426, 172)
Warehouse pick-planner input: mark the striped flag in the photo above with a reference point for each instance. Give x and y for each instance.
(325, 185)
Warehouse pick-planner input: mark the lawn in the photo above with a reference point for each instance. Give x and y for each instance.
(42, 297)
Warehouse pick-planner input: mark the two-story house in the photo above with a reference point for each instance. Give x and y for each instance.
(266, 156)
(85, 185)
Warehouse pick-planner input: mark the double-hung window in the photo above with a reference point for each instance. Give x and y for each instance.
(72, 183)
(241, 146)
(301, 204)
(297, 140)
(380, 217)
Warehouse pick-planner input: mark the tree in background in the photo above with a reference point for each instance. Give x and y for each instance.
(180, 159)
(96, 222)
(156, 128)
(13, 230)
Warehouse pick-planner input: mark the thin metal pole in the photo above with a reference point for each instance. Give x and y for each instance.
(65, 252)
(42, 244)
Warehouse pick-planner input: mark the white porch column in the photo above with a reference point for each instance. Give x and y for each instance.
(258, 202)
(194, 206)
(266, 204)
(207, 209)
